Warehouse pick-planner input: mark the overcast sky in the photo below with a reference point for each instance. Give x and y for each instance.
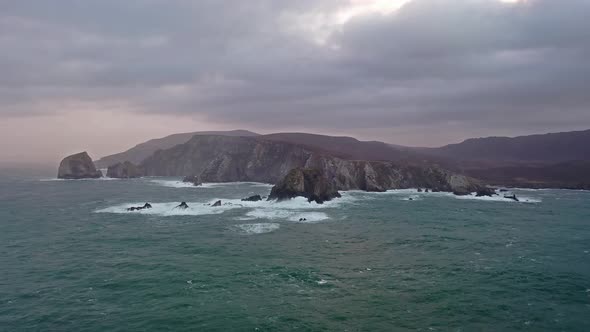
(104, 75)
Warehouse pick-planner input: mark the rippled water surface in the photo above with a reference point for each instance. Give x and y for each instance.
(73, 259)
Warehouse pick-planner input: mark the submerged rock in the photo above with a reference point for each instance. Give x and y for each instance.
(254, 198)
(78, 166)
(309, 183)
(488, 192)
(124, 170)
(194, 179)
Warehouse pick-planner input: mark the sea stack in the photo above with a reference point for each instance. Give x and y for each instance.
(309, 183)
(124, 170)
(78, 166)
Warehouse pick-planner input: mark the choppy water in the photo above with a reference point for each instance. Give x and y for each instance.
(73, 259)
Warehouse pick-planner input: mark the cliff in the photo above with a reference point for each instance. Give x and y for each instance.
(124, 170)
(228, 159)
(78, 166)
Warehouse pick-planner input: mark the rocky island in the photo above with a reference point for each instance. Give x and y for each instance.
(78, 166)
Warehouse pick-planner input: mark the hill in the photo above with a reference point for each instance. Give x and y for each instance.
(141, 151)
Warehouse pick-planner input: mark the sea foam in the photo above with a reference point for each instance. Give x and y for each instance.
(259, 228)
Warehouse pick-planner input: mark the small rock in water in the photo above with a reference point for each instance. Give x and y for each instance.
(216, 204)
(254, 198)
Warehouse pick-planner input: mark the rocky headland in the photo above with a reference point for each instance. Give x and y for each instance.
(234, 159)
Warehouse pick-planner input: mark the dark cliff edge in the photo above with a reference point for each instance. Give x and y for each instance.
(229, 159)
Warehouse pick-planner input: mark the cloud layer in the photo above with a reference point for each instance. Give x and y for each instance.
(430, 72)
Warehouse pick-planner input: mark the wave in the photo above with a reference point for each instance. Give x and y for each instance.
(259, 228)
(291, 215)
(180, 184)
(97, 179)
(416, 196)
(169, 209)
(291, 210)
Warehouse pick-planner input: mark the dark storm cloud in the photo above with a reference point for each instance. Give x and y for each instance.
(482, 63)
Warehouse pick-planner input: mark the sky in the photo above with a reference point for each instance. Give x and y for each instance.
(104, 75)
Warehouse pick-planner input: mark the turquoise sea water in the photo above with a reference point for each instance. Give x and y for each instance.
(72, 259)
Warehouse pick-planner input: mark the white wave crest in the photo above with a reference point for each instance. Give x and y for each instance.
(170, 209)
(259, 228)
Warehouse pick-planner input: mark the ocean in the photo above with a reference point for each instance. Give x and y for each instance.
(73, 259)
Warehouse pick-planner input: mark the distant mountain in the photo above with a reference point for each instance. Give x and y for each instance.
(546, 148)
(347, 147)
(141, 151)
(557, 160)
(567, 175)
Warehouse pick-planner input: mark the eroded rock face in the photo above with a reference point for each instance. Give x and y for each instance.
(194, 179)
(309, 183)
(124, 170)
(233, 159)
(78, 166)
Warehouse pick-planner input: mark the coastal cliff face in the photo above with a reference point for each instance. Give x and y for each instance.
(78, 166)
(228, 159)
(124, 170)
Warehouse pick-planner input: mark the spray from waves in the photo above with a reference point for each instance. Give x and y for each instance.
(291, 215)
(170, 209)
(259, 228)
(291, 210)
(406, 194)
(180, 184)
(76, 180)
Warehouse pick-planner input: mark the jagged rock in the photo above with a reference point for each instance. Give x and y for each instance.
(78, 166)
(183, 206)
(489, 192)
(309, 183)
(512, 197)
(139, 208)
(420, 190)
(254, 198)
(124, 170)
(194, 179)
(426, 190)
(216, 204)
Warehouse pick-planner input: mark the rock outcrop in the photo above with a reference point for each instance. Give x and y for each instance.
(124, 170)
(309, 183)
(230, 159)
(194, 179)
(254, 198)
(78, 166)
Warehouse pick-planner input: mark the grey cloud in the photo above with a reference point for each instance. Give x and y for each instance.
(480, 63)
